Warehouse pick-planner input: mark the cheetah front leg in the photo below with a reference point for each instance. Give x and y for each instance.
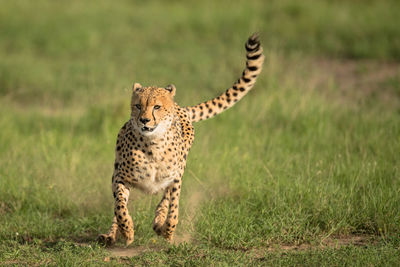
(172, 218)
(161, 212)
(124, 220)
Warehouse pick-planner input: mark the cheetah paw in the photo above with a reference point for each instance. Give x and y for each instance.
(129, 237)
(106, 240)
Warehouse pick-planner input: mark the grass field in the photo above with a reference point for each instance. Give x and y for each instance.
(303, 171)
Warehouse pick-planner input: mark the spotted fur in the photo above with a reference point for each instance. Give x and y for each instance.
(152, 147)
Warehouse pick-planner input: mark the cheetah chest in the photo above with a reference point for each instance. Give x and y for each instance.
(157, 170)
(156, 177)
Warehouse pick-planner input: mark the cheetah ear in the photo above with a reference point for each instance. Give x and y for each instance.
(136, 87)
(171, 88)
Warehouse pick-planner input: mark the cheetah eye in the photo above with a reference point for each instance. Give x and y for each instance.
(138, 106)
(157, 107)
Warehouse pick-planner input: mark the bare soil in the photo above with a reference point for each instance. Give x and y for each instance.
(359, 80)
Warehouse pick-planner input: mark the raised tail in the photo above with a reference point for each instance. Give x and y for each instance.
(254, 62)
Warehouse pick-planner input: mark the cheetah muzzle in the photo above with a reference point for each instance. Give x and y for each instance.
(147, 129)
(152, 147)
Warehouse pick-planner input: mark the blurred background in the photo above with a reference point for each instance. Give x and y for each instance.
(313, 148)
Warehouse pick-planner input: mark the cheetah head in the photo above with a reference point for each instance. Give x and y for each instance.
(152, 109)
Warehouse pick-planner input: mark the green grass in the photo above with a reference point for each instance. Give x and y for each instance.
(308, 158)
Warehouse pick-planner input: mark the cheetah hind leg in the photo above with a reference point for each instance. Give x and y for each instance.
(109, 238)
(161, 212)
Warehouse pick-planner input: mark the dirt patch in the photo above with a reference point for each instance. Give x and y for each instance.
(330, 243)
(354, 240)
(359, 79)
(131, 251)
(335, 243)
(259, 253)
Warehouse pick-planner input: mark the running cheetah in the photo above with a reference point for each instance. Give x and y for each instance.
(152, 147)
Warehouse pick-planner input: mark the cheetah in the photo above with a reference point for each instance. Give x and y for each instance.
(153, 145)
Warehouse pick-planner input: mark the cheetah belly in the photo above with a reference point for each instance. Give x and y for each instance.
(157, 180)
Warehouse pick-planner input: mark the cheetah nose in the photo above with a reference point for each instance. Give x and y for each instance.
(144, 120)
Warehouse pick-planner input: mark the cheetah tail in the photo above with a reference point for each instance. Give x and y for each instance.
(254, 62)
